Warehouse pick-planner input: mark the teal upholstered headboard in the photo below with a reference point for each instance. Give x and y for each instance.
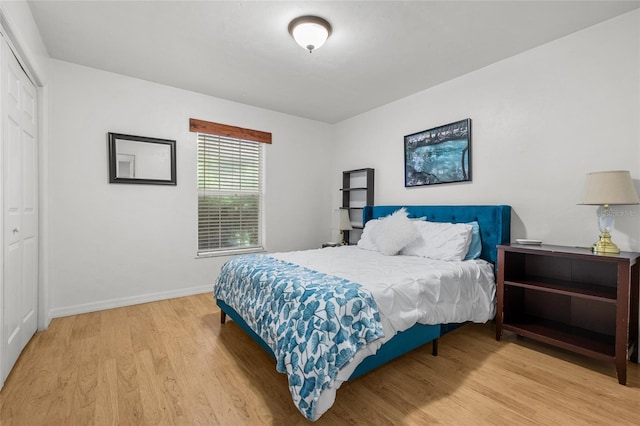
(494, 221)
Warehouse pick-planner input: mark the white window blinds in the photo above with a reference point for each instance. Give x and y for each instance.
(229, 194)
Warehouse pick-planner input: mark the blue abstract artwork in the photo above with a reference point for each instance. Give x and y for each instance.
(438, 155)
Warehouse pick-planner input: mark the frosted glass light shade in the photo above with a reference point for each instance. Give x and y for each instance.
(310, 32)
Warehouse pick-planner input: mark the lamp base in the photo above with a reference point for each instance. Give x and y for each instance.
(605, 245)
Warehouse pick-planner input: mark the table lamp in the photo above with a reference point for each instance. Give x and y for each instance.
(605, 189)
(345, 224)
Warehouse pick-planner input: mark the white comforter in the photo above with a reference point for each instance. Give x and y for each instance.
(407, 290)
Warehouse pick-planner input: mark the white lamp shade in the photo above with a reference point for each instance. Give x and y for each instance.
(310, 32)
(345, 222)
(610, 187)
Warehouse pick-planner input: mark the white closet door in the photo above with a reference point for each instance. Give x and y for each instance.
(20, 210)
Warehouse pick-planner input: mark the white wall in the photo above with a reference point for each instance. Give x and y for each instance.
(540, 121)
(115, 244)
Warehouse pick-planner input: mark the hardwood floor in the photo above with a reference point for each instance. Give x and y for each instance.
(172, 362)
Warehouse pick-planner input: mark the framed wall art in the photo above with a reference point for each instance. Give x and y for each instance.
(438, 155)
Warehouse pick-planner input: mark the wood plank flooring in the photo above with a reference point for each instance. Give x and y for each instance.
(173, 363)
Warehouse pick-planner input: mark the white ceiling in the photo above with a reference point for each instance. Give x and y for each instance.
(379, 51)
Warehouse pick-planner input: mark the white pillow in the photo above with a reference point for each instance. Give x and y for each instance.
(443, 241)
(394, 232)
(366, 239)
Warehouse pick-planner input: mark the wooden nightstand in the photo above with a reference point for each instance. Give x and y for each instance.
(571, 298)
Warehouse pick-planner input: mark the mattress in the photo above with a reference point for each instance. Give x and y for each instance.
(407, 290)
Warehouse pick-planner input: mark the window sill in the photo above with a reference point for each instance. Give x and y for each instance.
(233, 252)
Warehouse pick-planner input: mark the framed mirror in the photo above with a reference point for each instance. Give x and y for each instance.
(141, 160)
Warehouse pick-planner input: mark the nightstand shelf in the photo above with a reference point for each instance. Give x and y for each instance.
(576, 339)
(576, 289)
(571, 298)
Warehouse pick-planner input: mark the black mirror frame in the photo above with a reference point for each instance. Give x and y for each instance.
(112, 160)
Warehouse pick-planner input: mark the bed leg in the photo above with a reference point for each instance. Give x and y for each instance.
(434, 349)
(223, 316)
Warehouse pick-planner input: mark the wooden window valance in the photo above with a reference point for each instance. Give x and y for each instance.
(201, 126)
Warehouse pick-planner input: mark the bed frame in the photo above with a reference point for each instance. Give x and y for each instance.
(495, 229)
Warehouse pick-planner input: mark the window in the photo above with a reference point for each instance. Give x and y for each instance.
(230, 194)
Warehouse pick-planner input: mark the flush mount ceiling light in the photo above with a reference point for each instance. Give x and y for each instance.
(310, 32)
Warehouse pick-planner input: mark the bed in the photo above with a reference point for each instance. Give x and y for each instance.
(333, 314)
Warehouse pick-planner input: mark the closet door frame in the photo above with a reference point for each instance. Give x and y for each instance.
(8, 34)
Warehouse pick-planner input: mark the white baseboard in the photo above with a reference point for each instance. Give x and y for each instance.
(127, 301)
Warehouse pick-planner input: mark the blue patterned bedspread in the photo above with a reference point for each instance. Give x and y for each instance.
(313, 322)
